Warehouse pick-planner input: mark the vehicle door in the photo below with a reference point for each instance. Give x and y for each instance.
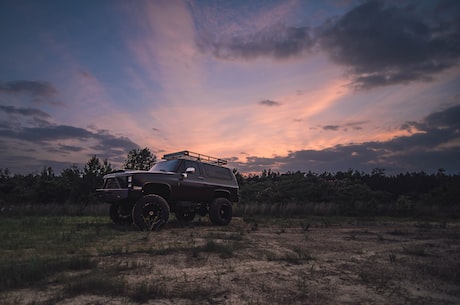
(191, 183)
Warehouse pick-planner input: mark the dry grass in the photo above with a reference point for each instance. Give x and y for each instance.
(87, 260)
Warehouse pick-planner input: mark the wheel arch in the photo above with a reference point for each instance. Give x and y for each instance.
(219, 193)
(160, 189)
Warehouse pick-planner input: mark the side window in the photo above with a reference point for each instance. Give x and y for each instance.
(217, 172)
(193, 164)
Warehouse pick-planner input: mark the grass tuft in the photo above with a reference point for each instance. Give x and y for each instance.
(21, 274)
(95, 282)
(297, 257)
(225, 250)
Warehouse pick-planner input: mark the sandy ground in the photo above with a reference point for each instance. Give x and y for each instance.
(295, 263)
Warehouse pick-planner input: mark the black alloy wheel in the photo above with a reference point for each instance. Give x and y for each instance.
(150, 213)
(220, 211)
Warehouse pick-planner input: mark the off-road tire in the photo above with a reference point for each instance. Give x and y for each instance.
(220, 211)
(150, 213)
(119, 216)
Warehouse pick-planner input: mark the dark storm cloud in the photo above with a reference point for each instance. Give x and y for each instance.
(42, 131)
(385, 45)
(36, 88)
(435, 145)
(111, 141)
(437, 132)
(379, 42)
(447, 119)
(48, 133)
(48, 139)
(269, 103)
(38, 135)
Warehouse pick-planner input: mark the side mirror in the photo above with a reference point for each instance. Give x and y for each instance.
(189, 170)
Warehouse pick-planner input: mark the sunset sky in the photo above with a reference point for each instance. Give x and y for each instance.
(287, 85)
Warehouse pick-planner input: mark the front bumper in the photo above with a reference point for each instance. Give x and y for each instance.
(112, 195)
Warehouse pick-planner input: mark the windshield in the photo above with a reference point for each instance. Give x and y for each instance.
(165, 166)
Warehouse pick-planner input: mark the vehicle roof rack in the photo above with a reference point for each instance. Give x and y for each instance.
(185, 154)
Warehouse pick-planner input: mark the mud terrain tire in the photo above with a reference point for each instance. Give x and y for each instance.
(150, 213)
(220, 211)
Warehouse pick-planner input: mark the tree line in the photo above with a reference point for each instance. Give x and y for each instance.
(352, 193)
(73, 186)
(278, 194)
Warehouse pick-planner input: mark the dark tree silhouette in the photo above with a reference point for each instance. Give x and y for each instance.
(140, 159)
(343, 193)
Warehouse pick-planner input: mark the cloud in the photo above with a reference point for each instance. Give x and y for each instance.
(432, 133)
(249, 29)
(67, 144)
(435, 145)
(38, 92)
(86, 75)
(48, 133)
(52, 133)
(385, 45)
(447, 119)
(353, 125)
(269, 103)
(164, 47)
(109, 141)
(17, 116)
(278, 41)
(380, 43)
(36, 88)
(331, 127)
(66, 148)
(24, 111)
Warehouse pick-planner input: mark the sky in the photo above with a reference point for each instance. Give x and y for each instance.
(295, 85)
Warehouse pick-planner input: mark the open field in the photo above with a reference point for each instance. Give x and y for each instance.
(87, 260)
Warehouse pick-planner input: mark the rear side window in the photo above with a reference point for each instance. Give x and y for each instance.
(217, 172)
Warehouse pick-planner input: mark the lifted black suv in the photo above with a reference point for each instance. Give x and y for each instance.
(185, 183)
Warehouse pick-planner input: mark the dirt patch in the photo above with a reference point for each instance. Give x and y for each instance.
(299, 263)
